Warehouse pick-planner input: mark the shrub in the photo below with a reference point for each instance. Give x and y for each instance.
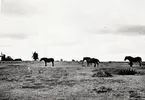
(101, 73)
(126, 72)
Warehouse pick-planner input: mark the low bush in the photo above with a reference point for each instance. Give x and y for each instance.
(126, 72)
(101, 73)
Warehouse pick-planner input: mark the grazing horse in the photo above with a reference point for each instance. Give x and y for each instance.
(47, 60)
(91, 60)
(133, 59)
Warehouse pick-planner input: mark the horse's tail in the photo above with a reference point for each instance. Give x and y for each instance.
(52, 61)
(140, 62)
(139, 59)
(98, 62)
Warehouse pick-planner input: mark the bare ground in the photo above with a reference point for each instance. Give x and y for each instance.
(69, 81)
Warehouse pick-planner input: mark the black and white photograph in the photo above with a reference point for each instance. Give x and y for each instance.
(72, 50)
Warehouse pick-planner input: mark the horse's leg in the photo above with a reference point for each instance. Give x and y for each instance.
(52, 63)
(130, 64)
(91, 64)
(97, 64)
(87, 64)
(140, 63)
(94, 64)
(45, 63)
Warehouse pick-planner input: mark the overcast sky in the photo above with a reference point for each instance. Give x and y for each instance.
(71, 29)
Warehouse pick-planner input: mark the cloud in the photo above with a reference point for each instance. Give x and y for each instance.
(15, 7)
(14, 36)
(132, 29)
(126, 30)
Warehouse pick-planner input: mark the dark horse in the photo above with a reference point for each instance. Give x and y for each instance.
(133, 59)
(47, 60)
(90, 61)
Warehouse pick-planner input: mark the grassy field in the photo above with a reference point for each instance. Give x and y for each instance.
(70, 81)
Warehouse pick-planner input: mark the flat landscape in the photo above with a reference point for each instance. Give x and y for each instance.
(71, 81)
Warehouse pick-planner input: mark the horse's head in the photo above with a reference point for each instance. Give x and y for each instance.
(127, 58)
(41, 59)
(83, 59)
(86, 58)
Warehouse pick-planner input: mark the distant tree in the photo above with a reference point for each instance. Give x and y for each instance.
(61, 59)
(73, 60)
(3, 57)
(35, 56)
(9, 58)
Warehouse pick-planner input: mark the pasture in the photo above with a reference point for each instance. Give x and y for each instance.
(70, 81)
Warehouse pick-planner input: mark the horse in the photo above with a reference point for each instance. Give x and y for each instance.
(91, 60)
(133, 59)
(47, 60)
